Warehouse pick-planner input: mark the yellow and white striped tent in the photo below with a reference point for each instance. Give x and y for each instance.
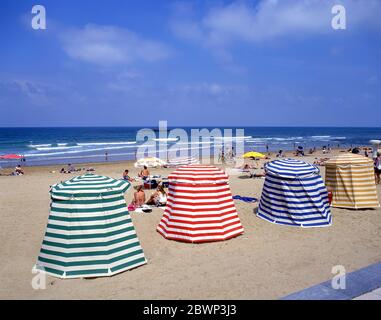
(351, 178)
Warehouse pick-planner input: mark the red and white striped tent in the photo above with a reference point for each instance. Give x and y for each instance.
(200, 207)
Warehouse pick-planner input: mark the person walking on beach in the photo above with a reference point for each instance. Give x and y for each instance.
(377, 167)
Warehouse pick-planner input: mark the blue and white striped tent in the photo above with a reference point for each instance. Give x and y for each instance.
(294, 194)
(89, 231)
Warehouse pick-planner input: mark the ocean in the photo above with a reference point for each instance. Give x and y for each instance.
(41, 146)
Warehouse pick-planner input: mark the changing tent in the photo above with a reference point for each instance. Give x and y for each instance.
(351, 178)
(89, 231)
(294, 194)
(200, 207)
(182, 161)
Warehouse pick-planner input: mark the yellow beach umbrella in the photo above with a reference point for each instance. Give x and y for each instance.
(254, 154)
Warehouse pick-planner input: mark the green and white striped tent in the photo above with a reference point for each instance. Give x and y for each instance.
(89, 231)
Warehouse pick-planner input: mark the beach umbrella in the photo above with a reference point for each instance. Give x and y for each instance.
(181, 161)
(254, 154)
(150, 162)
(351, 177)
(89, 232)
(200, 207)
(11, 156)
(294, 194)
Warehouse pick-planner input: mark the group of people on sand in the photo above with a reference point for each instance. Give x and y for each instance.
(144, 174)
(157, 198)
(70, 169)
(18, 171)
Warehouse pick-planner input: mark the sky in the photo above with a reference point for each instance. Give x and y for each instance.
(192, 63)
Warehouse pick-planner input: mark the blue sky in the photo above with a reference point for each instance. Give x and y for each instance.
(205, 63)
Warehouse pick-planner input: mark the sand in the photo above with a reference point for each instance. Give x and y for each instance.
(267, 262)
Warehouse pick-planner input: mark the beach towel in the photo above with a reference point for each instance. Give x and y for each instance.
(245, 199)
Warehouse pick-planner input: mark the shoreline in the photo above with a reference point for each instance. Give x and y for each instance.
(26, 164)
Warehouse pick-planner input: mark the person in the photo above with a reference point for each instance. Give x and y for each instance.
(366, 153)
(356, 150)
(222, 157)
(139, 197)
(126, 176)
(377, 167)
(299, 151)
(280, 154)
(144, 174)
(159, 197)
(18, 170)
(70, 168)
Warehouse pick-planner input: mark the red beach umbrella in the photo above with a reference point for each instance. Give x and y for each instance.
(11, 157)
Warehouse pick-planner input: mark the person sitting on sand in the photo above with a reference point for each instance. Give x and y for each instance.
(158, 198)
(144, 174)
(247, 166)
(139, 197)
(126, 176)
(19, 171)
(356, 150)
(280, 154)
(320, 162)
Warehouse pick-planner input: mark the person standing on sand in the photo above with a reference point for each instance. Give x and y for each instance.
(377, 167)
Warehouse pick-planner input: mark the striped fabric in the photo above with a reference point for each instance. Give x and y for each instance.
(89, 231)
(182, 161)
(294, 194)
(351, 178)
(200, 207)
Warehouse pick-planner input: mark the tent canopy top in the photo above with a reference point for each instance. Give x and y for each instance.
(291, 168)
(198, 174)
(348, 158)
(89, 185)
(11, 156)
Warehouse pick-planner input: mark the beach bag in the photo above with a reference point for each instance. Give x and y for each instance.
(146, 209)
(152, 184)
(131, 207)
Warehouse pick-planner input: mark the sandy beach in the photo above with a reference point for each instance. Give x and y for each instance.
(267, 262)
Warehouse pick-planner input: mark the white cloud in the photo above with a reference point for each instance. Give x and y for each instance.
(251, 22)
(110, 45)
